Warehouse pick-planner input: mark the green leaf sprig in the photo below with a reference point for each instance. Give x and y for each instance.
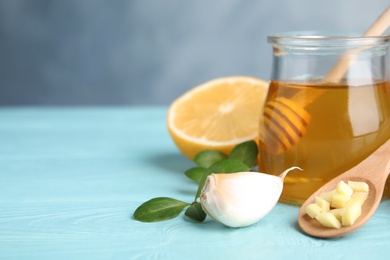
(241, 159)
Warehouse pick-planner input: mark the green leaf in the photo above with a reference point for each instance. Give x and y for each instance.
(225, 166)
(207, 157)
(196, 212)
(159, 209)
(245, 152)
(195, 173)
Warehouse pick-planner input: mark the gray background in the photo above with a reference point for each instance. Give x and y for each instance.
(148, 52)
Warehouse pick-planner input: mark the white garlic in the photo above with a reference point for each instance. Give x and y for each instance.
(243, 198)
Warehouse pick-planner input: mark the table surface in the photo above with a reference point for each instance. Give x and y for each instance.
(71, 178)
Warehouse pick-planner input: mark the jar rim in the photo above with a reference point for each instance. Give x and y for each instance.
(327, 38)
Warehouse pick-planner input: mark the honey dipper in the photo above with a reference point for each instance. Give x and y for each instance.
(290, 119)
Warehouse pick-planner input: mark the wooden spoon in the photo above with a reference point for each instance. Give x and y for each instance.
(286, 120)
(374, 170)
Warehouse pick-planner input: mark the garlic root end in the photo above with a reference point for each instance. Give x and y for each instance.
(281, 176)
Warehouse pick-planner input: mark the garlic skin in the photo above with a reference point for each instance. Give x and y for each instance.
(243, 198)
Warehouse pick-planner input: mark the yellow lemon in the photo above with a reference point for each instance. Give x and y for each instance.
(218, 114)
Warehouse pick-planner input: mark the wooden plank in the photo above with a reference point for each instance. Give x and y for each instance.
(70, 180)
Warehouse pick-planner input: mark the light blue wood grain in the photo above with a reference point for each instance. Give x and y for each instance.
(70, 179)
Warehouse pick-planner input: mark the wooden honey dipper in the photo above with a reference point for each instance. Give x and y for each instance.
(290, 119)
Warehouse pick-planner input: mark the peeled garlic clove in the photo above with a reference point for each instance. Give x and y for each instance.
(241, 199)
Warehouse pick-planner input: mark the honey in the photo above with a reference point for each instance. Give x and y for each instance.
(348, 121)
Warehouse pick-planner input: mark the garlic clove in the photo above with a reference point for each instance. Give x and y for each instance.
(241, 199)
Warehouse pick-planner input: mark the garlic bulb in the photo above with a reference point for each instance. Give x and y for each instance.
(243, 198)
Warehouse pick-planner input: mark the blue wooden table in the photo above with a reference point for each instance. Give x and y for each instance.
(71, 178)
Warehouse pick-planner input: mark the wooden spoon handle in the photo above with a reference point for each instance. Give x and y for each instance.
(375, 167)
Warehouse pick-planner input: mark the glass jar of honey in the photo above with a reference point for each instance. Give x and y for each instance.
(327, 109)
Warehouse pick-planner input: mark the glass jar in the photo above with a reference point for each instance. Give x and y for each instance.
(328, 107)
